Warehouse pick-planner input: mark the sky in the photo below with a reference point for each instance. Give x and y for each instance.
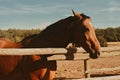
(30, 14)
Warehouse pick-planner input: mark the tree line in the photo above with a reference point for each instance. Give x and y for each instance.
(103, 35)
(17, 35)
(108, 35)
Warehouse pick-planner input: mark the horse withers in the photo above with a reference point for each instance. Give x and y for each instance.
(75, 29)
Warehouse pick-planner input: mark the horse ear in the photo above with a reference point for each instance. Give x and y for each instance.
(76, 14)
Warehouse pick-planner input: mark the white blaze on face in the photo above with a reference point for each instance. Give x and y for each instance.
(90, 25)
(89, 22)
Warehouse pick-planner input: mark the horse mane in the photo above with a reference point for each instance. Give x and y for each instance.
(28, 37)
(53, 28)
(84, 16)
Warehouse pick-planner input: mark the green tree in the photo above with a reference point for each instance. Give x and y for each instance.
(102, 41)
(118, 33)
(110, 34)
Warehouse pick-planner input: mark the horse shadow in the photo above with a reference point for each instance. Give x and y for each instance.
(70, 53)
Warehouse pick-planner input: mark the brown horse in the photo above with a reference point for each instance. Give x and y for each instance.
(75, 29)
(24, 67)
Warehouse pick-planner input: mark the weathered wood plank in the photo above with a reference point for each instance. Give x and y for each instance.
(43, 51)
(69, 57)
(102, 70)
(103, 49)
(60, 53)
(80, 56)
(109, 49)
(28, 51)
(99, 78)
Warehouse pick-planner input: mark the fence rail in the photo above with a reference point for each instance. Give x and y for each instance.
(92, 71)
(61, 53)
(64, 54)
(45, 51)
(101, 78)
(117, 77)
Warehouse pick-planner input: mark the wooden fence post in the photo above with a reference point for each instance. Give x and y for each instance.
(87, 75)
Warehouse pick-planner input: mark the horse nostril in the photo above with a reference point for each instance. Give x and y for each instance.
(99, 53)
(95, 55)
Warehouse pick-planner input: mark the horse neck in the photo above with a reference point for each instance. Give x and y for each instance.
(60, 35)
(56, 35)
(58, 39)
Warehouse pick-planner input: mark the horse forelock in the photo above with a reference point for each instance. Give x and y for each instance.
(84, 16)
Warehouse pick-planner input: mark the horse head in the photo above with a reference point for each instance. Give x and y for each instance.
(84, 35)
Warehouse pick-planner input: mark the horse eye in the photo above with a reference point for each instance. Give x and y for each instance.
(84, 29)
(87, 29)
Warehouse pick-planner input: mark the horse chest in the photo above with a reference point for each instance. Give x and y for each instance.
(8, 63)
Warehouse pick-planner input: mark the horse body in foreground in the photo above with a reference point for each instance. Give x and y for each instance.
(76, 29)
(23, 67)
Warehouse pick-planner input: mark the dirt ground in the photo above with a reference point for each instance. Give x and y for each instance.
(75, 69)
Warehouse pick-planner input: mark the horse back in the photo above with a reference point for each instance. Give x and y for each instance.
(6, 43)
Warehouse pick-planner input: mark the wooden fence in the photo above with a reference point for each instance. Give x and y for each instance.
(68, 54)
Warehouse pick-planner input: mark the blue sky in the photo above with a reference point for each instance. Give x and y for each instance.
(40, 13)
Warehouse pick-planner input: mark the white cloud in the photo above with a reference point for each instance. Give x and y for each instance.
(114, 3)
(111, 9)
(17, 10)
(66, 15)
(29, 9)
(8, 11)
(42, 25)
(112, 6)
